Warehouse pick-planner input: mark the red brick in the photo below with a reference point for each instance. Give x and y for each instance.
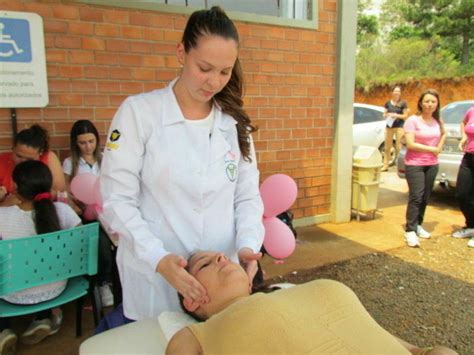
(116, 45)
(94, 44)
(105, 113)
(131, 32)
(70, 99)
(71, 71)
(96, 100)
(84, 86)
(44, 10)
(109, 86)
(81, 28)
(81, 113)
(116, 16)
(55, 85)
(81, 57)
(131, 60)
(106, 30)
(65, 12)
(153, 34)
(92, 14)
(55, 26)
(56, 55)
(131, 88)
(67, 42)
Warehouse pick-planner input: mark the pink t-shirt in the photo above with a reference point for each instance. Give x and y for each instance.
(425, 133)
(469, 130)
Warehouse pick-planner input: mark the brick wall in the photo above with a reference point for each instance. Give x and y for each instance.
(96, 56)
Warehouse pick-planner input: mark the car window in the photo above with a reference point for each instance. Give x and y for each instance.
(454, 113)
(366, 115)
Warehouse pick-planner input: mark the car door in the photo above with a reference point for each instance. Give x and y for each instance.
(369, 127)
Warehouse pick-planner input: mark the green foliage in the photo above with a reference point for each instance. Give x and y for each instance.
(403, 60)
(367, 28)
(415, 39)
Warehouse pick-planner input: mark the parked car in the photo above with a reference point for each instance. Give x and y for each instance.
(450, 157)
(369, 128)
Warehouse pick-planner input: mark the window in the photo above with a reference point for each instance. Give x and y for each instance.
(366, 115)
(292, 13)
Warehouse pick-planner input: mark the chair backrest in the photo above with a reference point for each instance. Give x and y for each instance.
(44, 258)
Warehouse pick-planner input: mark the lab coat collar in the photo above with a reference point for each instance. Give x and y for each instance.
(172, 113)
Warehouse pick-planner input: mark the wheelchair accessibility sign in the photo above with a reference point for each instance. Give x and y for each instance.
(15, 46)
(23, 77)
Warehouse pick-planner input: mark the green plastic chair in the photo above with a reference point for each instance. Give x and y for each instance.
(41, 259)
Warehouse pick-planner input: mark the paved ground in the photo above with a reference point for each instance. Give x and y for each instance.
(318, 246)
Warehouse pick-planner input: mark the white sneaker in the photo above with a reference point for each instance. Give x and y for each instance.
(470, 243)
(420, 231)
(464, 233)
(7, 342)
(412, 239)
(106, 295)
(40, 329)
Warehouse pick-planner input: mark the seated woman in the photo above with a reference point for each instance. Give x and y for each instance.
(35, 214)
(29, 144)
(86, 158)
(318, 317)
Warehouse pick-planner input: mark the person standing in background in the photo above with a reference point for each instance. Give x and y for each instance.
(425, 136)
(465, 180)
(396, 112)
(179, 173)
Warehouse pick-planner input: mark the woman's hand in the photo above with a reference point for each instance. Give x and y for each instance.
(462, 143)
(172, 268)
(248, 259)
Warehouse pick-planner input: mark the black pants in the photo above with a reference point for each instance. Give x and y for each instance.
(5, 322)
(106, 260)
(420, 181)
(465, 188)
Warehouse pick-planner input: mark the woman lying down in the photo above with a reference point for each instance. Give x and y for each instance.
(318, 317)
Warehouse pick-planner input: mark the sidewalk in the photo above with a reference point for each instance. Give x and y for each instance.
(329, 243)
(317, 246)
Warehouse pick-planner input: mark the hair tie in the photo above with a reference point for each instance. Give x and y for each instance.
(42, 196)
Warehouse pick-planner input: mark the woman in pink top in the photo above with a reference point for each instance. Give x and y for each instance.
(425, 136)
(465, 181)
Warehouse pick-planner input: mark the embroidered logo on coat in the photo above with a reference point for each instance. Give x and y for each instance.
(230, 166)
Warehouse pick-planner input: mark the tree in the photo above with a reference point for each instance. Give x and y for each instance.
(452, 20)
(367, 25)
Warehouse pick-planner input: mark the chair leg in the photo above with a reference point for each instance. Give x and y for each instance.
(97, 309)
(79, 304)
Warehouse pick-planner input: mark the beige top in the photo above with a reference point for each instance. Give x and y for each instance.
(318, 317)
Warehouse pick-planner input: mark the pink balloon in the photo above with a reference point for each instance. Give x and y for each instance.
(90, 213)
(279, 240)
(278, 193)
(97, 194)
(82, 187)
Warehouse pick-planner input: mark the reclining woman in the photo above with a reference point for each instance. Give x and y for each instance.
(328, 318)
(35, 214)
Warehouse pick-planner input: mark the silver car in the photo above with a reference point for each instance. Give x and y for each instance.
(450, 157)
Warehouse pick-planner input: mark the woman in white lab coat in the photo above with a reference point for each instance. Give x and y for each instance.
(179, 173)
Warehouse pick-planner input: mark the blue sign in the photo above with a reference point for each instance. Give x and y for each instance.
(15, 40)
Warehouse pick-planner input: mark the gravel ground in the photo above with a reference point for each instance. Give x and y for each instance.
(423, 295)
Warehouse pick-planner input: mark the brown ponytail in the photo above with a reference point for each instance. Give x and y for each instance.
(216, 22)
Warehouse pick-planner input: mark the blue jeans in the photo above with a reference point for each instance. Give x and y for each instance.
(420, 181)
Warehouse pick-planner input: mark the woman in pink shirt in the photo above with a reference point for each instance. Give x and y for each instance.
(465, 181)
(425, 136)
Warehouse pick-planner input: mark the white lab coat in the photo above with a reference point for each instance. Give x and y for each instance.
(170, 187)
